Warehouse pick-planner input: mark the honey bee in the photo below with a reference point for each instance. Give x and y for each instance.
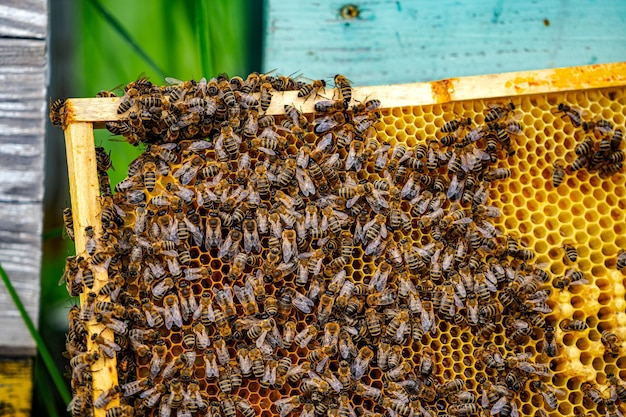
(616, 140)
(82, 361)
(450, 387)
(224, 382)
(224, 299)
(361, 362)
(304, 337)
(107, 347)
(367, 391)
(497, 174)
(585, 148)
(231, 246)
(125, 105)
(573, 113)
(497, 112)
(159, 352)
(171, 313)
(153, 395)
(286, 176)
(571, 254)
(601, 125)
(118, 326)
(266, 96)
(329, 106)
(57, 111)
(549, 394)
(244, 406)
(620, 262)
(617, 386)
(120, 411)
(456, 124)
(558, 173)
(286, 405)
(505, 406)
(312, 89)
(611, 342)
(345, 90)
(579, 163)
(137, 386)
(326, 123)
(571, 278)
(591, 391)
(246, 297)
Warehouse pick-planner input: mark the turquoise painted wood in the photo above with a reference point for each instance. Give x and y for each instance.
(410, 40)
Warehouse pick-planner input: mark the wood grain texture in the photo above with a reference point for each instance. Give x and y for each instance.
(23, 19)
(100, 110)
(22, 126)
(16, 387)
(409, 40)
(85, 196)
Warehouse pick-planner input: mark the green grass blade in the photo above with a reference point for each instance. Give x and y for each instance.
(115, 24)
(203, 37)
(43, 394)
(57, 379)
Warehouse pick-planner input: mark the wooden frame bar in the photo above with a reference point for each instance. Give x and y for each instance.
(83, 115)
(101, 110)
(85, 195)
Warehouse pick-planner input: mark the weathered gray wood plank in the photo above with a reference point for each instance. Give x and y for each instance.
(20, 255)
(22, 126)
(23, 18)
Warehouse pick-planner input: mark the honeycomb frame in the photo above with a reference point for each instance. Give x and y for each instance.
(547, 208)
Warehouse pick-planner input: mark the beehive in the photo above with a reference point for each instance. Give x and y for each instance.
(584, 211)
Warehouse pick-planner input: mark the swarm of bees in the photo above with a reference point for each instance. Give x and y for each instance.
(599, 151)
(300, 256)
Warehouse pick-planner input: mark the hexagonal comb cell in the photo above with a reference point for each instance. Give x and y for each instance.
(442, 258)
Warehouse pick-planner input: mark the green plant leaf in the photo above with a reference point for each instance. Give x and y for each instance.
(203, 33)
(115, 24)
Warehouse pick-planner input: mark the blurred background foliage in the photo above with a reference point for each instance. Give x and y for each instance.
(97, 45)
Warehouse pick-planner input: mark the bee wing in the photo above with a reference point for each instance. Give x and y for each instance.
(352, 159)
(427, 321)
(289, 249)
(302, 303)
(176, 316)
(266, 151)
(210, 313)
(109, 351)
(211, 368)
(325, 143)
(547, 400)
(402, 329)
(404, 157)
(334, 159)
(373, 246)
(251, 241)
(196, 233)
(497, 407)
(324, 124)
(225, 247)
(304, 181)
(240, 293)
(376, 205)
(368, 225)
(579, 282)
(383, 231)
(182, 170)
